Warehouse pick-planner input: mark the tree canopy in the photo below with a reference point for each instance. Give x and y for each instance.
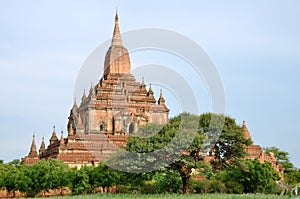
(179, 144)
(281, 156)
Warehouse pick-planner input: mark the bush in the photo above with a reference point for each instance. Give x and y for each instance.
(216, 186)
(199, 186)
(207, 186)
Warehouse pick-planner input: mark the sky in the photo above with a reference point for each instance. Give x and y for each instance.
(254, 45)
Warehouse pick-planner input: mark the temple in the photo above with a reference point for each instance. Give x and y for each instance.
(113, 109)
(256, 152)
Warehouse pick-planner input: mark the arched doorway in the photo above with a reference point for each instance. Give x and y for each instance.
(113, 124)
(131, 128)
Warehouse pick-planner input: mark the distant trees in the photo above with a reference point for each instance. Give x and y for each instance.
(55, 175)
(42, 176)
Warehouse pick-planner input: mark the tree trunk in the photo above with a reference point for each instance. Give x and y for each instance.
(185, 183)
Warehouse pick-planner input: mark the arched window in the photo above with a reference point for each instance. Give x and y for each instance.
(113, 124)
(101, 127)
(131, 128)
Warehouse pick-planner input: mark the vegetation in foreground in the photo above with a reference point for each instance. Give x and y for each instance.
(229, 172)
(177, 196)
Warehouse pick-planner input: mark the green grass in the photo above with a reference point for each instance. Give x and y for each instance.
(175, 196)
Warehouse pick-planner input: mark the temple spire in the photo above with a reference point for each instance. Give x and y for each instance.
(92, 93)
(42, 147)
(116, 40)
(62, 140)
(246, 131)
(150, 92)
(33, 151)
(70, 130)
(161, 100)
(75, 104)
(83, 98)
(143, 85)
(117, 59)
(53, 137)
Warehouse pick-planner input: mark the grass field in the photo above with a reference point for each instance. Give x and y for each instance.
(175, 196)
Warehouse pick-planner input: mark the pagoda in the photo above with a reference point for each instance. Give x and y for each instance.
(112, 110)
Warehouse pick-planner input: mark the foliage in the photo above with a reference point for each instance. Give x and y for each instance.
(160, 159)
(255, 177)
(80, 181)
(167, 181)
(291, 174)
(207, 186)
(103, 176)
(176, 196)
(42, 176)
(292, 177)
(229, 147)
(281, 156)
(174, 143)
(176, 146)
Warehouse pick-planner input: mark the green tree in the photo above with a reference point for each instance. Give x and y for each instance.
(3, 169)
(15, 163)
(80, 181)
(253, 177)
(42, 176)
(10, 174)
(178, 143)
(167, 181)
(59, 175)
(281, 156)
(293, 176)
(35, 178)
(103, 176)
(228, 149)
(10, 179)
